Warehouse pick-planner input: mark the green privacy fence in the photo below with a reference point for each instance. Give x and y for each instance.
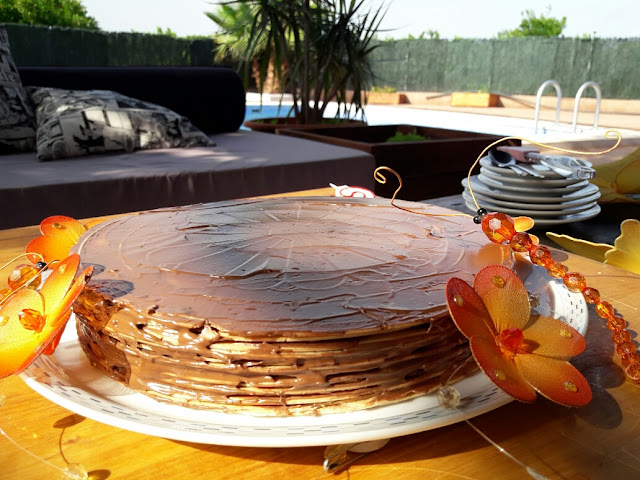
(39, 45)
(510, 66)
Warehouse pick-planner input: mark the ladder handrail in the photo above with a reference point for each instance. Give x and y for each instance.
(555, 85)
(581, 90)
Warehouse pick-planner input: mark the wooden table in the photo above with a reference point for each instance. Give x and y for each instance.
(600, 441)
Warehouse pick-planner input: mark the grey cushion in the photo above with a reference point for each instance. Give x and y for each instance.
(243, 164)
(73, 123)
(17, 127)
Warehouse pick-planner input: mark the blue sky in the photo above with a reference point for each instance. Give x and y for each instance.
(451, 18)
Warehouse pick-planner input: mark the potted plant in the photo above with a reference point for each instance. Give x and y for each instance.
(319, 50)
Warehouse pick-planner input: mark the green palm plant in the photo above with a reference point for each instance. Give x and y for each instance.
(234, 20)
(320, 50)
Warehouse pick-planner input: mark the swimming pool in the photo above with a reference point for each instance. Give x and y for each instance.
(469, 122)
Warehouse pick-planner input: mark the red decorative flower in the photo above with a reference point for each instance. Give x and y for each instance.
(522, 354)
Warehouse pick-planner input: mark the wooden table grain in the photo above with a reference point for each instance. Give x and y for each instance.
(600, 441)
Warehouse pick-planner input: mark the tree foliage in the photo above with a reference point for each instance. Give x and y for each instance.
(536, 26)
(56, 13)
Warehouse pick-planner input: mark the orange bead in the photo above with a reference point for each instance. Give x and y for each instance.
(4, 293)
(625, 348)
(520, 242)
(630, 359)
(615, 324)
(591, 295)
(540, 255)
(574, 281)
(633, 371)
(620, 336)
(22, 275)
(31, 319)
(498, 227)
(604, 310)
(556, 270)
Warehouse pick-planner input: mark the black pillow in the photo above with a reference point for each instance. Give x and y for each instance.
(17, 125)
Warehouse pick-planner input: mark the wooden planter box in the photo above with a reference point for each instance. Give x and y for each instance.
(473, 99)
(386, 98)
(429, 169)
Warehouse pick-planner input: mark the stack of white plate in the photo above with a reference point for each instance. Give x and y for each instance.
(551, 200)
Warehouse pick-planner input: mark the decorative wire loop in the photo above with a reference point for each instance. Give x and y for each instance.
(380, 178)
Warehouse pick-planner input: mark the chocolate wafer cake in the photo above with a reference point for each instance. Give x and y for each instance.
(291, 306)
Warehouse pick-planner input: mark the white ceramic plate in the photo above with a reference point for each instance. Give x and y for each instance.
(532, 188)
(492, 192)
(68, 379)
(507, 172)
(529, 180)
(546, 222)
(514, 210)
(536, 206)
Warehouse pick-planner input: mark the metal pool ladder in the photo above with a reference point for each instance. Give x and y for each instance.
(555, 85)
(581, 90)
(576, 106)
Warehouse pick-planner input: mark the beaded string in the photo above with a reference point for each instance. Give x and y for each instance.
(499, 228)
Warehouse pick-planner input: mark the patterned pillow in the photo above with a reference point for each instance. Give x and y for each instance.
(17, 126)
(78, 122)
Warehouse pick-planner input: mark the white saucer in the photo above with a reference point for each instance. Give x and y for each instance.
(518, 211)
(479, 187)
(536, 206)
(539, 189)
(546, 222)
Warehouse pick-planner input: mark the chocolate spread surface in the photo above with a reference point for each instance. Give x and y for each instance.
(285, 268)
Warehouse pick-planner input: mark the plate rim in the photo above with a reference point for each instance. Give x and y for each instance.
(548, 192)
(538, 206)
(514, 210)
(497, 193)
(547, 222)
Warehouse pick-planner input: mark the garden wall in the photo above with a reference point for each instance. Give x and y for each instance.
(507, 66)
(510, 66)
(39, 45)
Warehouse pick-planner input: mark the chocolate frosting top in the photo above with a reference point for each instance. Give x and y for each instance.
(288, 268)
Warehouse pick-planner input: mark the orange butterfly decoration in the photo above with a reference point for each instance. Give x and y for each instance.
(32, 321)
(522, 354)
(59, 234)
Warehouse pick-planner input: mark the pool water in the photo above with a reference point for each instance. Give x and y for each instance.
(469, 122)
(254, 112)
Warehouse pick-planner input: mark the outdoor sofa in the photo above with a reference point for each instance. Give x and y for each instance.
(242, 163)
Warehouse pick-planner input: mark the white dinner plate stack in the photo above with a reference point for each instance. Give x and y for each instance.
(551, 200)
